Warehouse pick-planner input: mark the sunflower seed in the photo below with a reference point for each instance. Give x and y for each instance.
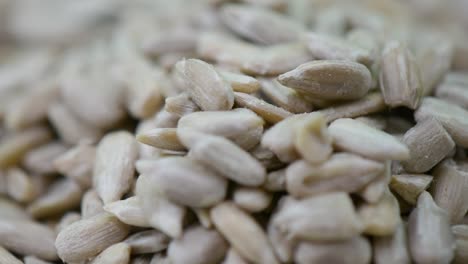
(276, 59)
(149, 241)
(114, 166)
(240, 82)
(353, 251)
(180, 39)
(243, 233)
(63, 195)
(89, 237)
(454, 93)
(22, 237)
(117, 254)
(461, 239)
(160, 213)
(252, 199)
(392, 249)
(204, 188)
(340, 223)
(40, 160)
(180, 105)
(205, 86)
(77, 164)
(342, 172)
(34, 260)
(326, 47)
(20, 186)
(8, 258)
(434, 62)
(10, 210)
(452, 117)
(400, 80)
(428, 143)
(312, 141)
(374, 191)
(224, 157)
(32, 109)
(66, 220)
(128, 211)
(260, 24)
(410, 186)
(193, 246)
(163, 138)
(354, 136)
(430, 237)
(242, 126)
(91, 204)
(276, 181)
(270, 113)
(371, 103)
(266, 157)
(232, 257)
(329, 79)
(70, 128)
(164, 119)
(284, 97)
(381, 218)
(14, 147)
(449, 190)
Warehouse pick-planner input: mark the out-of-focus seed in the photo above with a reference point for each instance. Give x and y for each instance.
(392, 249)
(430, 237)
(116, 254)
(252, 199)
(197, 245)
(149, 241)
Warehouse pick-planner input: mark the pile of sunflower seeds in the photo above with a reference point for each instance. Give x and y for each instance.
(234, 132)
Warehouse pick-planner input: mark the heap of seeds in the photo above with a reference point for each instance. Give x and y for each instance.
(234, 132)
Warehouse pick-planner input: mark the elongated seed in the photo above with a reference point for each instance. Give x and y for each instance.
(453, 92)
(197, 245)
(114, 166)
(354, 136)
(244, 234)
(340, 223)
(60, 197)
(159, 211)
(91, 204)
(381, 218)
(270, 113)
(224, 157)
(329, 79)
(163, 138)
(392, 249)
(205, 86)
(128, 211)
(285, 97)
(149, 241)
(449, 190)
(77, 164)
(240, 82)
(342, 172)
(312, 141)
(87, 238)
(7, 258)
(242, 126)
(20, 186)
(326, 47)
(180, 105)
(70, 128)
(40, 160)
(252, 199)
(409, 186)
(400, 80)
(354, 250)
(117, 254)
(260, 24)
(22, 237)
(13, 147)
(430, 237)
(428, 143)
(452, 117)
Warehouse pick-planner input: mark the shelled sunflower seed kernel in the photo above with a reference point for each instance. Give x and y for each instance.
(233, 132)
